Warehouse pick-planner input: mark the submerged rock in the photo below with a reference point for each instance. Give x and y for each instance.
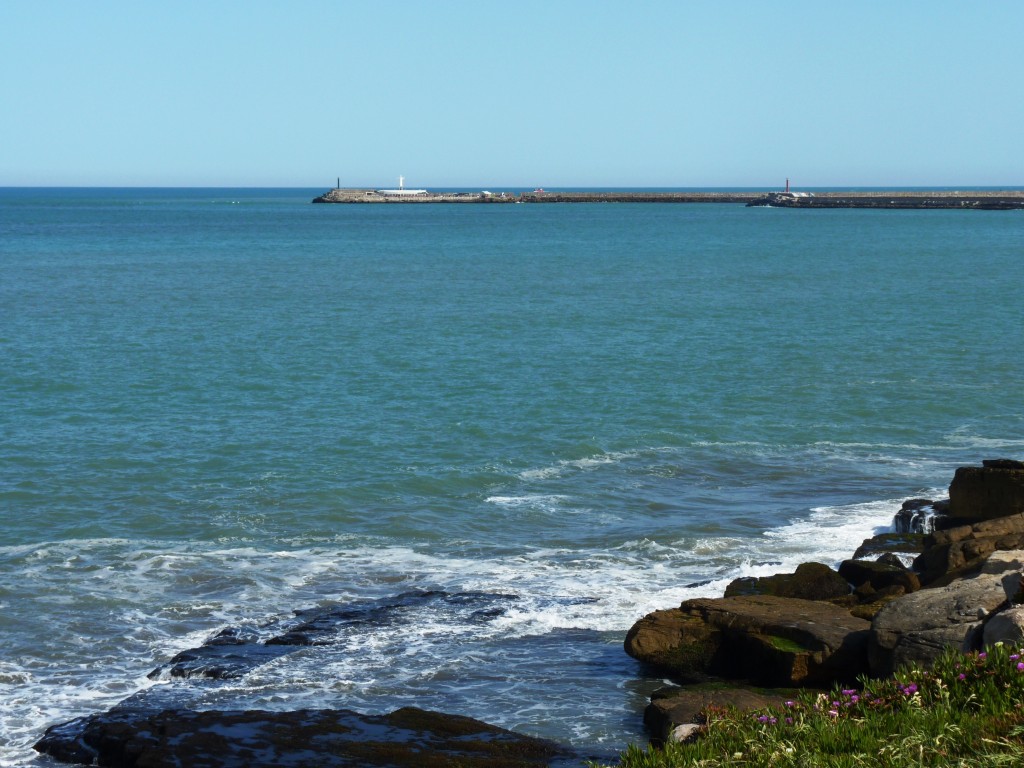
(297, 739)
(235, 651)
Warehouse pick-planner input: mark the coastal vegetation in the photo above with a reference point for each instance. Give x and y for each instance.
(965, 710)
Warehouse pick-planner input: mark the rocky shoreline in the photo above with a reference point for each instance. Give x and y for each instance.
(820, 627)
(951, 576)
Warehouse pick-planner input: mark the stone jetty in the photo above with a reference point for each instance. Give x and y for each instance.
(1005, 200)
(358, 196)
(937, 199)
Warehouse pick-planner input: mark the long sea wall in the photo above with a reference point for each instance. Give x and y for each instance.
(984, 200)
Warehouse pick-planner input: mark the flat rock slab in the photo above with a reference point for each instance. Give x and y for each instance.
(296, 739)
(769, 640)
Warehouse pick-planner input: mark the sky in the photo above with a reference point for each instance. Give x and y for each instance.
(553, 93)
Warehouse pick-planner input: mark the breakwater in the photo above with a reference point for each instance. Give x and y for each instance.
(359, 196)
(917, 199)
(985, 200)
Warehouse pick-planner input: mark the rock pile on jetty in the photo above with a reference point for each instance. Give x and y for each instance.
(819, 627)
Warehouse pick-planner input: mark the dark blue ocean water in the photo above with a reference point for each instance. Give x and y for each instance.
(221, 406)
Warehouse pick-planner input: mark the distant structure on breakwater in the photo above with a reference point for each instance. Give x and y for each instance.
(902, 199)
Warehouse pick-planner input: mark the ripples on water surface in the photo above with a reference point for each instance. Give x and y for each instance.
(220, 406)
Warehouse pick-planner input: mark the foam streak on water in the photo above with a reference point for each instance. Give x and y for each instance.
(504, 432)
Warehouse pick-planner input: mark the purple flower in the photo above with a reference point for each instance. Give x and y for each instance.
(789, 721)
(1020, 666)
(833, 713)
(1014, 656)
(982, 655)
(961, 676)
(849, 692)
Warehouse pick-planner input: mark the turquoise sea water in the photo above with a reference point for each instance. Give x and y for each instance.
(221, 406)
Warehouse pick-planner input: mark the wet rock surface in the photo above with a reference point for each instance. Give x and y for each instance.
(296, 739)
(921, 515)
(236, 651)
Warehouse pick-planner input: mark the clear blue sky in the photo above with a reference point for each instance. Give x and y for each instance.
(516, 93)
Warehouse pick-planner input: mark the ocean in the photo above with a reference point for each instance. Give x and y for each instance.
(495, 435)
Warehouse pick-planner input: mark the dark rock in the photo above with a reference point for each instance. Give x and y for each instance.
(990, 491)
(878, 575)
(695, 584)
(236, 651)
(892, 560)
(297, 739)
(672, 707)
(229, 654)
(896, 543)
(769, 640)
(1002, 464)
(811, 581)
